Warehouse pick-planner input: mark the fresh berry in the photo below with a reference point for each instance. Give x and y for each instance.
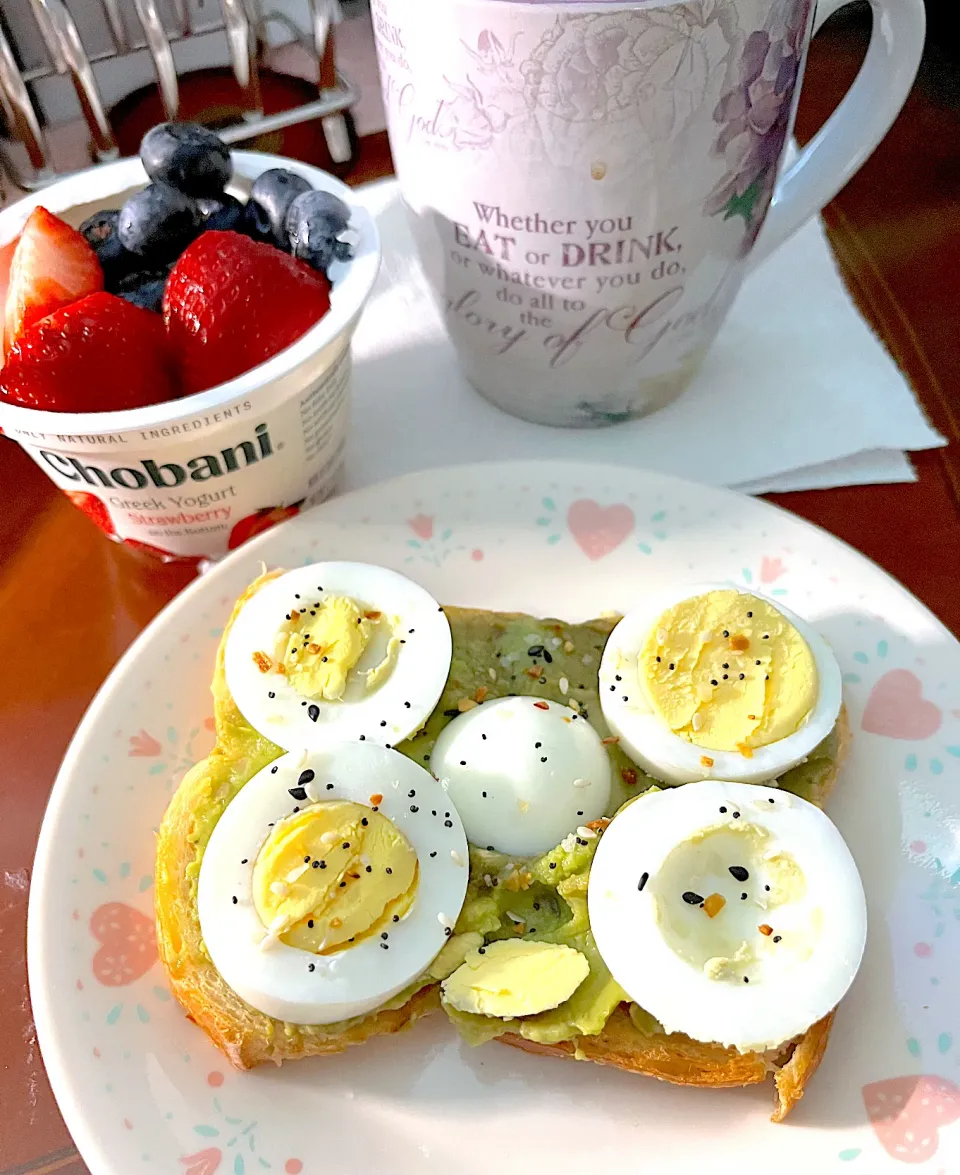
(144, 289)
(97, 355)
(6, 260)
(53, 265)
(188, 157)
(270, 198)
(158, 222)
(231, 303)
(100, 231)
(94, 509)
(221, 213)
(255, 524)
(314, 222)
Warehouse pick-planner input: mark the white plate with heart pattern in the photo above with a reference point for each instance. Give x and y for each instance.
(143, 1090)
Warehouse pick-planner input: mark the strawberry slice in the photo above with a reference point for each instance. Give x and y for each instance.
(231, 303)
(907, 1114)
(53, 265)
(100, 354)
(6, 260)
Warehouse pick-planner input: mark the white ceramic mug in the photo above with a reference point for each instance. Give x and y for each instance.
(588, 180)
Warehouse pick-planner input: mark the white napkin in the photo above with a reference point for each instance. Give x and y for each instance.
(796, 393)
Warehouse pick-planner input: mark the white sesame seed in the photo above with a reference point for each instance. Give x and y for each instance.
(488, 881)
(445, 921)
(513, 917)
(586, 833)
(455, 857)
(327, 838)
(564, 685)
(297, 873)
(280, 888)
(492, 673)
(697, 721)
(582, 783)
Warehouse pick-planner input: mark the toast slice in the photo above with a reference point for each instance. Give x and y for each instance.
(249, 1038)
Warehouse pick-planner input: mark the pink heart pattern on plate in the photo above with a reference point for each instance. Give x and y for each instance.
(128, 944)
(203, 1162)
(422, 526)
(907, 1114)
(897, 708)
(597, 529)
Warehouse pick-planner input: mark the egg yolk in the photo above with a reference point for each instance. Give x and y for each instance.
(320, 648)
(333, 875)
(728, 672)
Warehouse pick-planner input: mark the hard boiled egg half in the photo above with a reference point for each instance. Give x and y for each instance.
(731, 912)
(523, 772)
(338, 652)
(717, 682)
(331, 882)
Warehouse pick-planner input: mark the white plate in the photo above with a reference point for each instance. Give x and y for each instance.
(142, 1090)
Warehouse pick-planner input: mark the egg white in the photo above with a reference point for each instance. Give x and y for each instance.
(668, 757)
(388, 714)
(792, 983)
(523, 772)
(276, 979)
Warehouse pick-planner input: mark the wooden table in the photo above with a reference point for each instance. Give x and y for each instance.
(67, 592)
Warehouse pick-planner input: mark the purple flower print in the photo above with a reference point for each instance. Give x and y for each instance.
(755, 117)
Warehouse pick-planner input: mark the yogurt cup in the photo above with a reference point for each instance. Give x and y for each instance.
(195, 477)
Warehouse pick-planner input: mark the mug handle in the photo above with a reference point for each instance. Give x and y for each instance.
(850, 135)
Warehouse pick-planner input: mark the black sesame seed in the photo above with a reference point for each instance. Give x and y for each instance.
(481, 950)
(323, 658)
(613, 689)
(617, 677)
(412, 792)
(383, 722)
(411, 630)
(364, 822)
(311, 966)
(484, 737)
(543, 758)
(396, 917)
(414, 808)
(537, 746)
(736, 815)
(726, 632)
(553, 864)
(767, 888)
(726, 665)
(297, 809)
(384, 935)
(742, 676)
(389, 870)
(433, 854)
(542, 680)
(245, 860)
(691, 898)
(770, 800)
(725, 676)
(644, 878)
(739, 872)
(369, 868)
(723, 809)
(757, 662)
(234, 900)
(426, 758)
(448, 824)
(745, 979)
(313, 713)
(536, 905)
(329, 787)
(579, 813)
(483, 793)
(319, 865)
(766, 636)
(407, 705)
(363, 738)
(343, 885)
(298, 793)
(274, 770)
(750, 615)
(713, 681)
(451, 713)
(346, 844)
(385, 945)
(535, 651)
(777, 938)
(625, 698)
(671, 666)
(743, 897)
(433, 811)
(658, 660)
(490, 848)
(310, 923)
(271, 694)
(448, 930)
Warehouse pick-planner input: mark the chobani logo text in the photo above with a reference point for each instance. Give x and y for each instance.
(169, 474)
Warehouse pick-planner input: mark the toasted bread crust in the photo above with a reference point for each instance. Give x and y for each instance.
(248, 1038)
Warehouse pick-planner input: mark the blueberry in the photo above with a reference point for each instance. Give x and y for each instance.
(188, 157)
(270, 197)
(101, 232)
(314, 222)
(221, 213)
(255, 222)
(158, 223)
(144, 288)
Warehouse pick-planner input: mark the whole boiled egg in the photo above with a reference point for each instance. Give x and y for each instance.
(523, 773)
(338, 652)
(331, 882)
(731, 912)
(718, 682)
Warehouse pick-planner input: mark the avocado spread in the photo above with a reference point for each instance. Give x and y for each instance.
(539, 900)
